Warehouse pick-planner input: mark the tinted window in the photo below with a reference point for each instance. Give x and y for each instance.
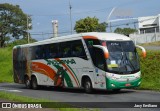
(78, 49)
(65, 49)
(51, 51)
(123, 58)
(126, 46)
(59, 50)
(38, 52)
(90, 43)
(98, 58)
(114, 46)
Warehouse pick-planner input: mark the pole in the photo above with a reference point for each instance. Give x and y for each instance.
(55, 28)
(27, 29)
(70, 11)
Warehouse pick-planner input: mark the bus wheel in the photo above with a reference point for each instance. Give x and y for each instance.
(27, 82)
(34, 83)
(88, 86)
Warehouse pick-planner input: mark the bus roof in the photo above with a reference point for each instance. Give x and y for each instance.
(107, 36)
(98, 35)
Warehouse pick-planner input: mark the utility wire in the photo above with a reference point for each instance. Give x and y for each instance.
(65, 32)
(40, 33)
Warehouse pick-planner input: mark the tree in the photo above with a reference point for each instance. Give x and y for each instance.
(21, 41)
(125, 31)
(89, 24)
(13, 22)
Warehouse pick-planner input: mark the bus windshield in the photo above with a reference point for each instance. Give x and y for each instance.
(123, 57)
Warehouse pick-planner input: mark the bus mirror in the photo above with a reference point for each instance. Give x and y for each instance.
(105, 50)
(143, 50)
(106, 55)
(144, 54)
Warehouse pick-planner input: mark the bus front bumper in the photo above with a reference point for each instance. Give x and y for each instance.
(113, 84)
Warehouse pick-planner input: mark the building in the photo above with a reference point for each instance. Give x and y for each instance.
(149, 24)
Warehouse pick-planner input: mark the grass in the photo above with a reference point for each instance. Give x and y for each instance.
(150, 67)
(151, 44)
(6, 71)
(14, 98)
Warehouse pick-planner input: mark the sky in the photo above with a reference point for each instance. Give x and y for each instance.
(43, 12)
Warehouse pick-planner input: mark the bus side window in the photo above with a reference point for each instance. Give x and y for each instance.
(90, 43)
(53, 50)
(38, 52)
(98, 58)
(78, 49)
(47, 51)
(65, 49)
(50, 51)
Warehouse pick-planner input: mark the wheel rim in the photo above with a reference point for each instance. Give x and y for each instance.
(27, 83)
(88, 86)
(34, 83)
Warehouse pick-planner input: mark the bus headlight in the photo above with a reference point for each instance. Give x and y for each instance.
(138, 76)
(139, 83)
(112, 85)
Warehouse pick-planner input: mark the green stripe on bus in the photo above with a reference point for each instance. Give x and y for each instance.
(74, 74)
(66, 77)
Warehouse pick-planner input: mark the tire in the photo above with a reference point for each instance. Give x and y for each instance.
(88, 86)
(27, 82)
(34, 83)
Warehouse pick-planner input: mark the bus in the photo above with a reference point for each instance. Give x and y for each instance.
(93, 60)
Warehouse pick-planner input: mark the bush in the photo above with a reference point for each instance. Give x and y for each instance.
(150, 67)
(20, 42)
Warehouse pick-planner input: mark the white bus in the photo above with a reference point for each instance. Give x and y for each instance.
(88, 60)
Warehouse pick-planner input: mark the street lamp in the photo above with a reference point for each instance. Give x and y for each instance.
(28, 25)
(55, 28)
(70, 7)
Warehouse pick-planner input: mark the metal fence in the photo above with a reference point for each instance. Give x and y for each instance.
(145, 38)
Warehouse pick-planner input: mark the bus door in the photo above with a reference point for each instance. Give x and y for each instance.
(100, 67)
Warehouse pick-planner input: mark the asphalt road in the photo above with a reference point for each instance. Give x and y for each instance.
(78, 95)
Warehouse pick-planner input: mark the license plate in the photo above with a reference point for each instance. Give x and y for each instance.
(127, 84)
